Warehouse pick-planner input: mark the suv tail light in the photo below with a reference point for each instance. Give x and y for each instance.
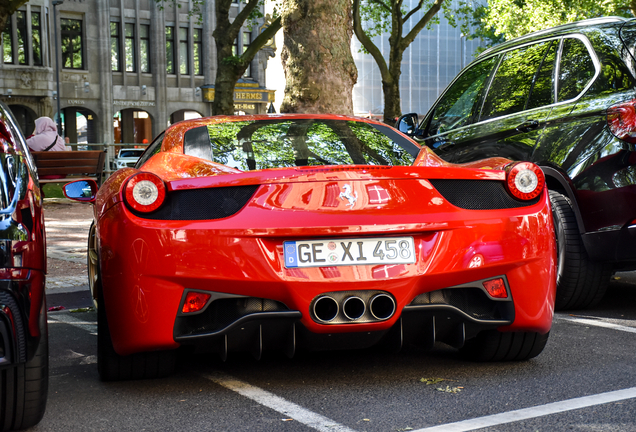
(525, 180)
(145, 192)
(621, 120)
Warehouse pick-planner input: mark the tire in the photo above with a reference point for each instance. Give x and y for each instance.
(581, 283)
(114, 367)
(495, 346)
(24, 387)
(92, 263)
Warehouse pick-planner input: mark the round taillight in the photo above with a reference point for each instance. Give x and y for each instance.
(525, 180)
(145, 192)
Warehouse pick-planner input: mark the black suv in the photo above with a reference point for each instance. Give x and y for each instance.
(24, 361)
(564, 98)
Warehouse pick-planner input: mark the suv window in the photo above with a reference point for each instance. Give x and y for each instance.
(576, 69)
(513, 81)
(542, 92)
(459, 105)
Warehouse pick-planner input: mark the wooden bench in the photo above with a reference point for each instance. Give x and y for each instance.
(72, 165)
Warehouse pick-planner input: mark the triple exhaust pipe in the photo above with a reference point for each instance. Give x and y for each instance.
(352, 308)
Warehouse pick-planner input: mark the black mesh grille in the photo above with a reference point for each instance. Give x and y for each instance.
(221, 313)
(202, 204)
(478, 194)
(472, 301)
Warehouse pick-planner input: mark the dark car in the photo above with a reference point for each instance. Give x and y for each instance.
(23, 331)
(563, 98)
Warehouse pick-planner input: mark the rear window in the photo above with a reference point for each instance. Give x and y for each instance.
(261, 144)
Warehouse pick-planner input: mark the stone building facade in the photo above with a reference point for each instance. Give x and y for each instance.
(127, 68)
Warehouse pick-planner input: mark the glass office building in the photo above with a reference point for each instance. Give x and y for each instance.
(430, 63)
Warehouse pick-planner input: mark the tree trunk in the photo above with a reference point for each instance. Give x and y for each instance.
(230, 68)
(392, 101)
(319, 68)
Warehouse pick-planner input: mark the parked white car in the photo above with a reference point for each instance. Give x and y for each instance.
(127, 158)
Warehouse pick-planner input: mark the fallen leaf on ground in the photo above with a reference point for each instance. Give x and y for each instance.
(429, 381)
(450, 389)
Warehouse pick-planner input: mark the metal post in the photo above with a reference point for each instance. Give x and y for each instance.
(57, 67)
(461, 51)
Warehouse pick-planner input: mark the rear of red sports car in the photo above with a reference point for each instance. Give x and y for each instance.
(318, 232)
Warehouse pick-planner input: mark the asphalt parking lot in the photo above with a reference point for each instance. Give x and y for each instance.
(585, 380)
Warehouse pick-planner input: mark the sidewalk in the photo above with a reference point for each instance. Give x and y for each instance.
(67, 224)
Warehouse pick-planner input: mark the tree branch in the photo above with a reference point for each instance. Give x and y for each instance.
(414, 10)
(366, 41)
(261, 40)
(422, 22)
(243, 15)
(384, 5)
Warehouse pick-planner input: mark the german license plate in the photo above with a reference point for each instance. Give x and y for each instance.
(326, 253)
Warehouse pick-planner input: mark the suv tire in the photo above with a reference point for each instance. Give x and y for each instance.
(24, 387)
(581, 283)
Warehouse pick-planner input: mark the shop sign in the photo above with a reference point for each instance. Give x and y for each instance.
(134, 103)
(244, 107)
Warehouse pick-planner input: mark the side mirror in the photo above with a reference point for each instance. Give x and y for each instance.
(407, 124)
(81, 190)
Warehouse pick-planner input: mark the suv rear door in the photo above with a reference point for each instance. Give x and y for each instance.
(508, 120)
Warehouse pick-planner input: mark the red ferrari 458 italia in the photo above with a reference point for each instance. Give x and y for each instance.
(255, 233)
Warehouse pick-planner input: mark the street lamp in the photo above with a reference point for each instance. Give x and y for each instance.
(57, 66)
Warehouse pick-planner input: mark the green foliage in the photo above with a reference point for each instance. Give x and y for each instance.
(379, 15)
(233, 61)
(507, 19)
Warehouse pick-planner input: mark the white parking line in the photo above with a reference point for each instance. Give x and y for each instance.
(279, 404)
(323, 424)
(538, 411)
(598, 323)
(67, 318)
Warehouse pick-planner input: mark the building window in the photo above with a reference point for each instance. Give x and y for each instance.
(247, 40)
(130, 47)
(72, 44)
(235, 48)
(144, 48)
(36, 36)
(16, 46)
(23, 49)
(184, 58)
(197, 51)
(7, 42)
(170, 50)
(115, 62)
